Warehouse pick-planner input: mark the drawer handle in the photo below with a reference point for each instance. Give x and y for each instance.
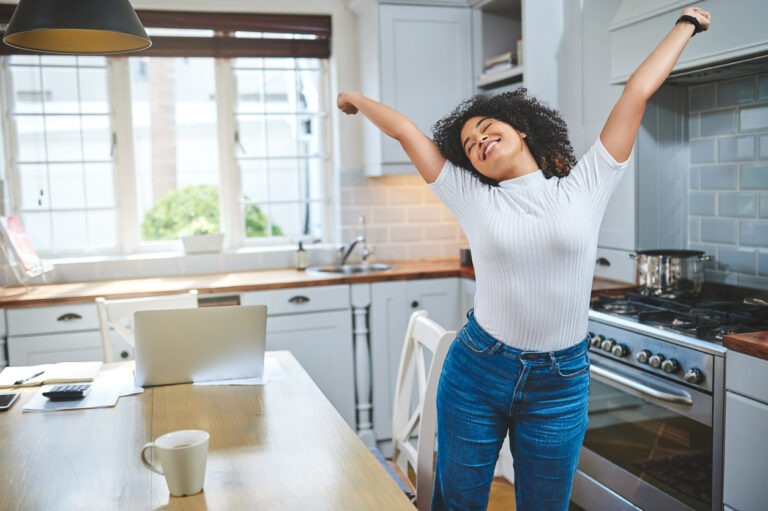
(69, 316)
(298, 300)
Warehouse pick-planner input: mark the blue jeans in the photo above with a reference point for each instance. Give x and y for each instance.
(488, 390)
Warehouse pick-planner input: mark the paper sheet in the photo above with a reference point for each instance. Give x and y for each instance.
(108, 386)
(273, 371)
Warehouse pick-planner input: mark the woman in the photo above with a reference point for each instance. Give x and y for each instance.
(520, 365)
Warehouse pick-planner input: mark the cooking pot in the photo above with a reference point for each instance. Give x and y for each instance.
(670, 271)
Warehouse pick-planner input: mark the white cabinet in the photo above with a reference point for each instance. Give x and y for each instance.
(738, 32)
(62, 333)
(497, 26)
(416, 59)
(391, 306)
(746, 427)
(315, 324)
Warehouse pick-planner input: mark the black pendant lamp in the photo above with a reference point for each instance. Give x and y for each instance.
(76, 27)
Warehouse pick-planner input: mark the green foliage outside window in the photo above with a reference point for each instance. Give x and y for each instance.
(195, 210)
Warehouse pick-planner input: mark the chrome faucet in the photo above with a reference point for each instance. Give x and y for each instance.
(350, 248)
(346, 251)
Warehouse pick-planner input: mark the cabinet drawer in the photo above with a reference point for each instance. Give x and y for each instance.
(747, 375)
(60, 318)
(299, 300)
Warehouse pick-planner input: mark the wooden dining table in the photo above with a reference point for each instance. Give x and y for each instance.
(278, 446)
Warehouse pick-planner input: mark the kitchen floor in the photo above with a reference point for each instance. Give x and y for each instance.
(502, 495)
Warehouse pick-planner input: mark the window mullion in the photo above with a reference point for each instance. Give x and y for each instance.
(230, 210)
(124, 172)
(8, 128)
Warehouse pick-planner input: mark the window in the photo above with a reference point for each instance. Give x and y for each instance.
(61, 151)
(220, 129)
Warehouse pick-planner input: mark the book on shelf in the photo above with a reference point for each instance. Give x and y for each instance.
(501, 66)
(498, 59)
(60, 372)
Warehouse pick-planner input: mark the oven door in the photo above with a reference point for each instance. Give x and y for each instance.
(649, 443)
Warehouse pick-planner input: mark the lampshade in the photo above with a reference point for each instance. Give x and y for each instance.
(76, 27)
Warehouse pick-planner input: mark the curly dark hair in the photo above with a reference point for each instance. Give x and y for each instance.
(546, 132)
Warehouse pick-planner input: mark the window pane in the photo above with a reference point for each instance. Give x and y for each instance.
(61, 118)
(278, 114)
(176, 145)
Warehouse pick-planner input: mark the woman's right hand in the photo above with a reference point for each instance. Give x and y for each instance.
(344, 103)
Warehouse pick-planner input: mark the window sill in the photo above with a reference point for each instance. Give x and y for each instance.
(166, 264)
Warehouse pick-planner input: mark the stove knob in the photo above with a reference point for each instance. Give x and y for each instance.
(670, 366)
(620, 350)
(607, 345)
(694, 375)
(643, 356)
(656, 360)
(595, 341)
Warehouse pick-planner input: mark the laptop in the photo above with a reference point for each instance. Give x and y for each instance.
(199, 344)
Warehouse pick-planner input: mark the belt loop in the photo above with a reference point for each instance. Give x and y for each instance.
(553, 360)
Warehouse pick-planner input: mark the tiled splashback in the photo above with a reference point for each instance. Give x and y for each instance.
(728, 207)
(404, 219)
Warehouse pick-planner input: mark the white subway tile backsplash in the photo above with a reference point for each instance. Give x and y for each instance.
(716, 230)
(719, 122)
(754, 118)
(703, 151)
(764, 205)
(739, 260)
(736, 149)
(753, 233)
(733, 204)
(702, 203)
(754, 177)
(702, 97)
(736, 92)
(719, 177)
(764, 147)
(431, 213)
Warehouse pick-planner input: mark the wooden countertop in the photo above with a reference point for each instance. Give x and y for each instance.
(233, 282)
(754, 344)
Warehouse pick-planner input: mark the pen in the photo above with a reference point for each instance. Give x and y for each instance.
(19, 382)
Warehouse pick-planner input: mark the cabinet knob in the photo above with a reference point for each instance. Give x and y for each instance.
(298, 300)
(415, 304)
(69, 316)
(124, 355)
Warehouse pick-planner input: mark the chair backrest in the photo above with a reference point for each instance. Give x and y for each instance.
(117, 315)
(414, 417)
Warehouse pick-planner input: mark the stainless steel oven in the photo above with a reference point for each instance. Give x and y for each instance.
(654, 439)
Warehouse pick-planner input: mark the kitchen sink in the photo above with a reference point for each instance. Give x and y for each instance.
(349, 269)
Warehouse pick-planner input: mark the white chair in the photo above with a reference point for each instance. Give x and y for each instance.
(117, 315)
(414, 416)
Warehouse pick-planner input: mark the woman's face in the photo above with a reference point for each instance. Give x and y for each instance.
(493, 147)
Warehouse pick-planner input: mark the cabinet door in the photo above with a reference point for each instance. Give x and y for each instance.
(322, 343)
(52, 348)
(746, 454)
(392, 304)
(426, 69)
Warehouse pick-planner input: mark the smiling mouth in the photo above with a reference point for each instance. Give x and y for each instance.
(489, 148)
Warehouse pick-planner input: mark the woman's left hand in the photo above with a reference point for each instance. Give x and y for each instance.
(700, 14)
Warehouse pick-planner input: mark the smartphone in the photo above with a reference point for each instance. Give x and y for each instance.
(7, 400)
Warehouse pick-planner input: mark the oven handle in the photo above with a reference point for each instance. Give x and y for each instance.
(683, 397)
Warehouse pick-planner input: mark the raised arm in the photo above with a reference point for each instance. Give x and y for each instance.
(623, 123)
(419, 147)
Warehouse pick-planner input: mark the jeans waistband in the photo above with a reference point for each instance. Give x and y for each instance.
(480, 335)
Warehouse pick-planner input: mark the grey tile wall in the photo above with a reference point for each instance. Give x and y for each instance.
(728, 202)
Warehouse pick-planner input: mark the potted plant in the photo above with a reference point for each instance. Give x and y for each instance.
(201, 236)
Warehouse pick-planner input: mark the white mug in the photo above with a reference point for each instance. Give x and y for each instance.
(182, 455)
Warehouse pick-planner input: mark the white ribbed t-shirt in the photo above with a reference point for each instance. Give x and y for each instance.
(534, 243)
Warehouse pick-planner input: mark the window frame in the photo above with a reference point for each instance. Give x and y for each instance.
(224, 42)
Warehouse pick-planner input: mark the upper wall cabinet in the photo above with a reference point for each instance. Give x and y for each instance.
(738, 33)
(538, 25)
(498, 32)
(416, 59)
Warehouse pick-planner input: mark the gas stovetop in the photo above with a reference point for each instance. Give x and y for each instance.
(716, 311)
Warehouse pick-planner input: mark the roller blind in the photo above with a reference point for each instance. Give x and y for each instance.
(226, 34)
